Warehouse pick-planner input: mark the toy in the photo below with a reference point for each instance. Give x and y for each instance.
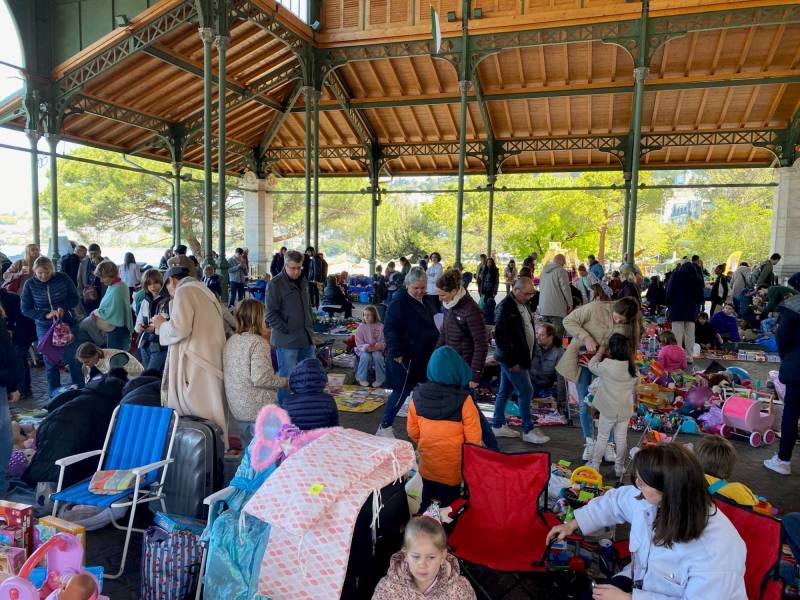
(698, 396)
(19, 515)
(49, 526)
(587, 477)
(11, 559)
(744, 416)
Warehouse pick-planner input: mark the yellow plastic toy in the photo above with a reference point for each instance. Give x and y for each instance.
(588, 476)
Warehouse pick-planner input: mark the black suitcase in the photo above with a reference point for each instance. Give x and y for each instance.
(368, 563)
(198, 469)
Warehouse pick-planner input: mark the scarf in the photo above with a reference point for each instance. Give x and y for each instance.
(456, 299)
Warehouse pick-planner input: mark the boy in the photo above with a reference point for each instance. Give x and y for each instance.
(703, 332)
(717, 456)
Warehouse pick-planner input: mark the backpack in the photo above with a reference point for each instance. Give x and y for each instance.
(755, 274)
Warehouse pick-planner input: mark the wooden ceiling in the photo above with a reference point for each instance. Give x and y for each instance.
(729, 79)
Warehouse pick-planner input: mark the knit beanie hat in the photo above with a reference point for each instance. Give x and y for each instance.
(448, 368)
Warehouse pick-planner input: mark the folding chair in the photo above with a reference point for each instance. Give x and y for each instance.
(139, 438)
(762, 537)
(503, 525)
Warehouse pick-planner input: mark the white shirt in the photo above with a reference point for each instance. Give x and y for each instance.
(131, 276)
(434, 272)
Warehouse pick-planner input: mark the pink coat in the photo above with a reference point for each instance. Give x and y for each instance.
(672, 358)
(368, 334)
(398, 583)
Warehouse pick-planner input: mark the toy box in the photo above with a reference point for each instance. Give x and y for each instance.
(11, 536)
(11, 559)
(47, 527)
(655, 396)
(178, 524)
(19, 515)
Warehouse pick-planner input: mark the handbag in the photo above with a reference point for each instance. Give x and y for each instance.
(14, 284)
(61, 332)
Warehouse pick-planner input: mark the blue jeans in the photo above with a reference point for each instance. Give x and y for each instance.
(288, 358)
(375, 360)
(510, 382)
(6, 442)
(236, 290)
(399, 394)
(585, 415)
(119, 339)
(153, 360)
(52, 370)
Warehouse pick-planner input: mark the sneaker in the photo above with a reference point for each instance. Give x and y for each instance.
(363, 383)
(610, 455)
(782, 467)
(592, 465)
(588, 449)
(535, 436)
(385, 432)
(378, 384)
(504, 431)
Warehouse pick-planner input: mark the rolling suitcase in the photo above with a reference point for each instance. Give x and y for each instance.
(198, 470)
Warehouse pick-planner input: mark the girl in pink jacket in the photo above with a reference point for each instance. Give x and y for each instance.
(369, 348)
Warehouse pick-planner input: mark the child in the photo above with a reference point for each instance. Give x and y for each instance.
(97, 361)
(703, 332)
(369, 348)
(441, 417)
(725, 325)
(613, 397)
(717, 457)
(211, 280)
(424, 569)
(308, 404)
(671, 357)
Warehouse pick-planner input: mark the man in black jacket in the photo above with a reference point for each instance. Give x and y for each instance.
(276, 266)
(516, 340)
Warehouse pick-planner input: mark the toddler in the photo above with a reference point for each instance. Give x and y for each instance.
(717, 457)
(424, 569)
(369, 348)
(671, 357)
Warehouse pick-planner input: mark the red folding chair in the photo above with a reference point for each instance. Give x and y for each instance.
(503, 524)
(762, 537)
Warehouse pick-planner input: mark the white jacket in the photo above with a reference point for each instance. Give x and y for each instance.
(708, 568)
(613, 389)
(434, 272)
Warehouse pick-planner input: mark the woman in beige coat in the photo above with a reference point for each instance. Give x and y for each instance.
(591, 325)
(193, 382)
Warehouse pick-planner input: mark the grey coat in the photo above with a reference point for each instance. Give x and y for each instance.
(289, 312)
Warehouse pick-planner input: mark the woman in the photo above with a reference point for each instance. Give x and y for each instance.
(46, 297)
(112, 323)
(333, 295)
(21, 270)
(490, 280)
(684, 300)
(584, 283)
(719, 290)
(250, 381)
(591, 325)
(23, 334)
(411, 337)
(96, 361)
(433, 272)
(8, 393)
(510, 275)
(155, 301)
(130, 273)
(678, 536)
(630, 285)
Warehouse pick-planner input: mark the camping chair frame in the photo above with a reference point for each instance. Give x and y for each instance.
(140, 494)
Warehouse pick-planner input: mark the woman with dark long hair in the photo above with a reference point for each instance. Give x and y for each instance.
(130, 273)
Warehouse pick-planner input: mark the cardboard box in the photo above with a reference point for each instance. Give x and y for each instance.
(179, 524)
(11, 535)
(19, 515)
(11, 559)
(47, 527)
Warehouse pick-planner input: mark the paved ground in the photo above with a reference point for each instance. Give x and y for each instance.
(105, 546)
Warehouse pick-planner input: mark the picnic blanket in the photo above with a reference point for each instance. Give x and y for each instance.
(357, 399)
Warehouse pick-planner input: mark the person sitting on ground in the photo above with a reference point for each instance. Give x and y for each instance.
(333, 296)
(97, 361)
(671, 357)
(111, 323)
(679, 536)
(250, 381)
(442, 416)
(613, 390)
(308, 404)
(703, 332)
(755, 313)
(726, 325)
(211, 279)
(545, 358)
(424, 568)
(370, 346)
(717, 458)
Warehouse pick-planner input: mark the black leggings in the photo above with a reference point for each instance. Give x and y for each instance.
(791, 412)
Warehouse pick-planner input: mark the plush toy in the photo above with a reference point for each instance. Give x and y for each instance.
(276, 438)
(698, 396)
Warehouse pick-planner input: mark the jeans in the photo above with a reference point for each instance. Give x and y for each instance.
(119, 338)
(509, 382)
(22, 369)
(6, 442)
(52, 370)
(791, 529)
(376, 361)
(399, 394)
(288, 358)
(235, 290)
(153, 360)
(791, 412)
(584, 414)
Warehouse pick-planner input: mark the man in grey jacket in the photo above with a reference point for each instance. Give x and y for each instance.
(289, 317)
(555, 295)
(236, 276)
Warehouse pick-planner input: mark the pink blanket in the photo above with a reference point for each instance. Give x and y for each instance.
(312, 502)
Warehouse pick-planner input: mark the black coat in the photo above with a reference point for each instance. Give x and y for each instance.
(490, 280)
(685, 294)
(276, 266)
(8, 373)
(719, 291)
(410, 333)
(78, 426)
(509, 333)
(333, 295)
(22, 329)
(788, 338)
(144, 390)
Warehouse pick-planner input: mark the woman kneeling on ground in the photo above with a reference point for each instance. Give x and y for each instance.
(682, 546)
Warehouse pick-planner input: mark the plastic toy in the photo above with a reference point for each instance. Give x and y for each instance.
(698, 396)
(587, 476)
(64, 555)
(744, 416)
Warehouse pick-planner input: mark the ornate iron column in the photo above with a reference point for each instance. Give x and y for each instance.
(207, 35)
(308, 93)
(316, 96)
(221, 42)
(52, 140)
(33, 136)
(463, 87)
(176, 204)
(490, 184)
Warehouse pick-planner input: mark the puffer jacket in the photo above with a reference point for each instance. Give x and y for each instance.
(144, 390)
(398, 584)
(308, 405)
(555, 297)
(464, 330)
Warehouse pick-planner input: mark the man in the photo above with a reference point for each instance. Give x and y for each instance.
(195, 335)
(236, 276)
(698, 268)
(322, 271)
(555, 295)
(545, 357)
(276, 266)
(684, 299)
(181, 260)
(289, 316)
(596, 268)
(311, 274)
(70, 263)
(739, 283)
(89, 287)
(516, 340)
(394, 281)
(766, 276)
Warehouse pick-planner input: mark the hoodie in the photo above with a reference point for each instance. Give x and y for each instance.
(555, 295)
(308, 404)
(398, 584)
(442, 417)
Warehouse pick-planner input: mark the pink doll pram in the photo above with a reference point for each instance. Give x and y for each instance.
(744, 416)
(64, 555)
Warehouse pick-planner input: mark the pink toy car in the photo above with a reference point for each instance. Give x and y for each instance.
(744, 416)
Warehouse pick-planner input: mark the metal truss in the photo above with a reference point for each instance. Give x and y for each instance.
(472, 148)
(279, 119)
(135, 41)
(355, 117)
(325, 152)
(15, 111)
(112, 112)
(269, 22)
(336, 57)
(755, 137)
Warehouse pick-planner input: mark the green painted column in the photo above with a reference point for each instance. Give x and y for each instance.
(207, 35)
(176, 204)
(626, 213)
(373, 229)
(221, 42)
(308, 93)
(33, 137)
(317, 94)
(463, 87)
(490, 184)
(52, 140)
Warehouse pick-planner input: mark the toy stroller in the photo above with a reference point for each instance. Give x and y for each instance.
(745, 417)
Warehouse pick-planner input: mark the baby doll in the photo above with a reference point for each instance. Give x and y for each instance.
(79, 587)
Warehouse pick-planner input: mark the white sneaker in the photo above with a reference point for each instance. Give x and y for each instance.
(781, 467)
(504, 431)
(610, 455)
(588, 449)
(378, 384)
(592, 465)
(363, 383)
(535, 436)
(385, 432)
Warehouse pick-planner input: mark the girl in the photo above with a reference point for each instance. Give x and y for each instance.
(510, 275)
(671, 356)
(156, 301)
(130, 273)
(677, 533)
(369, 348)
(424, 569)
(613, 397)
(96, 361)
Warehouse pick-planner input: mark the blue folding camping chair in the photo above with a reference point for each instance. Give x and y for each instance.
(139, 439)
